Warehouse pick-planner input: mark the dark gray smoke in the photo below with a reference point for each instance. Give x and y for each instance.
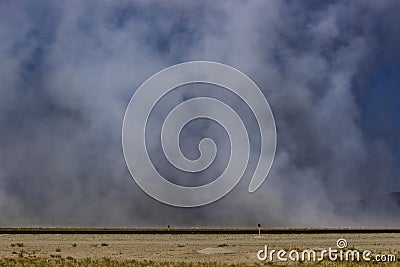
(328, 69)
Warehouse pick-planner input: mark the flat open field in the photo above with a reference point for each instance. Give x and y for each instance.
(181, 249)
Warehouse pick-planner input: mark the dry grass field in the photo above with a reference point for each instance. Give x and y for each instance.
(180, 249)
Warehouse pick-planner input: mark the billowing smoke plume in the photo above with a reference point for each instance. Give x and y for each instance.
(67, 71)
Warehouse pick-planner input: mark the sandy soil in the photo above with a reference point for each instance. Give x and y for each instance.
(165, 247)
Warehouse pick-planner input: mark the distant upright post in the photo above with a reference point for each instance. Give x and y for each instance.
(169, 226)
(259, 229)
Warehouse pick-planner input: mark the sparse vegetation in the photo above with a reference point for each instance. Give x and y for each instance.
(21, 253)
(179, 250)
(57, 260)
(55, 256)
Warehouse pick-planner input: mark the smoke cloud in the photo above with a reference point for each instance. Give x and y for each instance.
(329, 71)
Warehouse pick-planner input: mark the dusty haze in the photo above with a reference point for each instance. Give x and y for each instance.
(329, 71)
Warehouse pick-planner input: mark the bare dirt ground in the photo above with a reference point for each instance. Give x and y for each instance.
(182, 247)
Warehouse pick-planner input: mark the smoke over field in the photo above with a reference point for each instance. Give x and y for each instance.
(328, 69)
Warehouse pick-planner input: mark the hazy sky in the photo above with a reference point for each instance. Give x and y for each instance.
(329, 69)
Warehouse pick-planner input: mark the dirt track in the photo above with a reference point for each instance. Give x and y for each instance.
(183, 247)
